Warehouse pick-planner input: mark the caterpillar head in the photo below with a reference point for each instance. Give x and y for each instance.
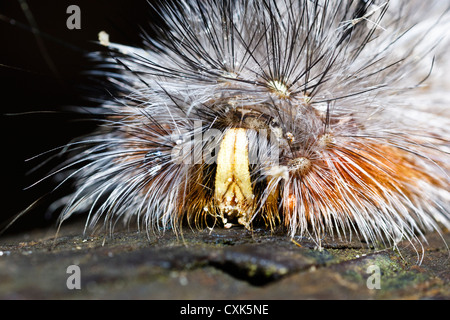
(275, 112)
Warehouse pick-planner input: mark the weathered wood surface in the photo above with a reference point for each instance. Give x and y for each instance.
(218, 264)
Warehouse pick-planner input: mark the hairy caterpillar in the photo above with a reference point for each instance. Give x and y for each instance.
(320, 116)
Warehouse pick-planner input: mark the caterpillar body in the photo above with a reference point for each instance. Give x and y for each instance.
(316, 116)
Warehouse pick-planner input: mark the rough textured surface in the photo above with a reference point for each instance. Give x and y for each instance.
(218, 264)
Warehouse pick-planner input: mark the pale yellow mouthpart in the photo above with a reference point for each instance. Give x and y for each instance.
(233, 189)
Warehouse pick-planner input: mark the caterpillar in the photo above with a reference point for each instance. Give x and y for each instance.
(320, 117)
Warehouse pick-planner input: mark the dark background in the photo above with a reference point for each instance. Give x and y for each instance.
(29, 84)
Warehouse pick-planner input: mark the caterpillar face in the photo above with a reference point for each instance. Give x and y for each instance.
(310, 115)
